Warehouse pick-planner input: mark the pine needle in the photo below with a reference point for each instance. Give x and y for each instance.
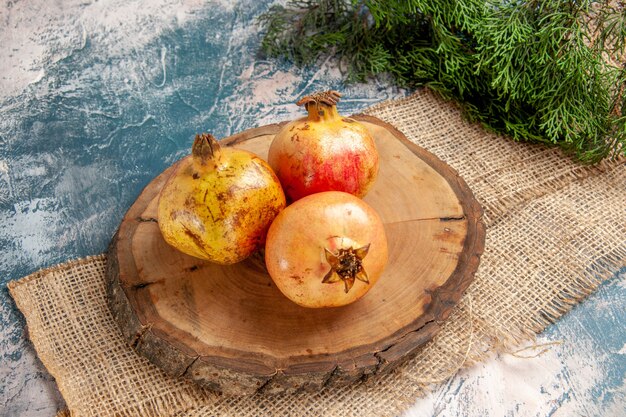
(549, 71)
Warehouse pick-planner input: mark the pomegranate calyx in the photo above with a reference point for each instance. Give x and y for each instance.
(347, 266)
(322, 106)
(205, 148)
(329, 98)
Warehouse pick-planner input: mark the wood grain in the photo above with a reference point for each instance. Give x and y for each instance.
(230, 329)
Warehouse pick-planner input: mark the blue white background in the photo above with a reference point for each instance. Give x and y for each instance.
(98, 97)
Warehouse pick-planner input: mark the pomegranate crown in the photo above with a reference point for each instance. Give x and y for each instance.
(329, 98)
(346, 265)
(204, 147)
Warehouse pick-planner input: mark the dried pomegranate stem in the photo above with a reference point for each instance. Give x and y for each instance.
(205, 148)
(330, 98)
(347, 266)
(322, 106)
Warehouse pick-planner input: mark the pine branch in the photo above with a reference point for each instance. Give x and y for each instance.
(547, 71)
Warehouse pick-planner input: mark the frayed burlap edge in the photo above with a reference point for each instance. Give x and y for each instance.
(62, 267)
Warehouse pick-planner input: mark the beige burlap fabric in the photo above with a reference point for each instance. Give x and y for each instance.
(555, 231)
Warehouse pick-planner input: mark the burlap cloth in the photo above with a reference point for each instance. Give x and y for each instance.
(555, 231)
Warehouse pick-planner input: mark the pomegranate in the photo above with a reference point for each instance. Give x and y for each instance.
(324, 151)
(326, 250)
(219, 203)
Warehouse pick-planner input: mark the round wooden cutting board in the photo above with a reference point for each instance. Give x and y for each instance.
(229, 328)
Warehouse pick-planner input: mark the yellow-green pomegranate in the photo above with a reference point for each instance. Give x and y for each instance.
(219, 202)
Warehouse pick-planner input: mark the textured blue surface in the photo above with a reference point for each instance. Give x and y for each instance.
(577, 369)
(116, 93)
